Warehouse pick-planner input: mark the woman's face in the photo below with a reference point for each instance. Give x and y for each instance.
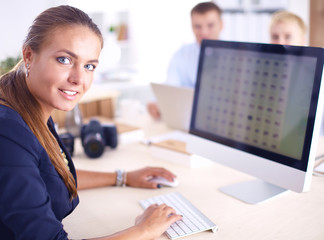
(287, 33)
(62, 71)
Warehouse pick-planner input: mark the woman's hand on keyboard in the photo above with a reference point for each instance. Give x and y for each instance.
(156, 219)
(140, 178)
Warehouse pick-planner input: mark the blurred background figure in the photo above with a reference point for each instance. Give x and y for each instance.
(287, 28)
(206, 23)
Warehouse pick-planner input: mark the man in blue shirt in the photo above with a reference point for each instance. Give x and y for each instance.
(206, 23)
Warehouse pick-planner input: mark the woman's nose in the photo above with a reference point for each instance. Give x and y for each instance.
(76, 75)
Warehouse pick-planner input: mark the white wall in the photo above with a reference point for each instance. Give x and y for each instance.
(156, 30)
(15, 17)
(249, 20)
(156, 27)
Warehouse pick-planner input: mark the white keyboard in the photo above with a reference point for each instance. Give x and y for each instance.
(193, 221)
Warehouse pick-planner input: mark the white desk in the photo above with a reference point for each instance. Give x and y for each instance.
(104, 211)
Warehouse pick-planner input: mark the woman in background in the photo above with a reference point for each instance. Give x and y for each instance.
(287, 28)
(37, 176)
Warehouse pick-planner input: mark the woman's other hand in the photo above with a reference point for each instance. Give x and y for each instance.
(140, 178)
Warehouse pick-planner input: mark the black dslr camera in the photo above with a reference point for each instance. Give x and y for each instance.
(95, 137)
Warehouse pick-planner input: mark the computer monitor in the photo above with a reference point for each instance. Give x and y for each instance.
(257, 108)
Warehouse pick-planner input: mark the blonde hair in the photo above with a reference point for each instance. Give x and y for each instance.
(283, 16)
(15, 93)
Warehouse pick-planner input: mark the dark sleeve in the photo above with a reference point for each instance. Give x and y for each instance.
(25, 205)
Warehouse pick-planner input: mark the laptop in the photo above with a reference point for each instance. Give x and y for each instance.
(175, 105)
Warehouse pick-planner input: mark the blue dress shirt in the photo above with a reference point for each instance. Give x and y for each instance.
(33, 197)
(183, 66)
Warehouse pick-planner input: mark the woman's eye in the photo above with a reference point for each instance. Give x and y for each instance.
(274, 37)
(288, 36)
(90, 67)
(64, 60)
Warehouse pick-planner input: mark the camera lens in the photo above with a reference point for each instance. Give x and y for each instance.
(93, 145)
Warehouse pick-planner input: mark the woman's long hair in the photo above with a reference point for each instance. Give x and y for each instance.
(16, 95)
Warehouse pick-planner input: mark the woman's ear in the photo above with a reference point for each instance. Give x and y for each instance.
(27, 54)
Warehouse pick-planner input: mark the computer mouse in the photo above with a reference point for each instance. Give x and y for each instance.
(165, 182)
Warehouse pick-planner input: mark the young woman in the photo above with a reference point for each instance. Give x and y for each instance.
(37, 176)
(287, 28)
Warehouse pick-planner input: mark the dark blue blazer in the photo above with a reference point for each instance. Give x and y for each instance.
(33, 197)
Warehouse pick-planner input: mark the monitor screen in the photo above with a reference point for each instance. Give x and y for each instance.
(261, 99)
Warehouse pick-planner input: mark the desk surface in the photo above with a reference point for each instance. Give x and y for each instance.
(104, 211)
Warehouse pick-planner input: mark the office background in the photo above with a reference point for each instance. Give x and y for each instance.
(141, 36)
(153, 30)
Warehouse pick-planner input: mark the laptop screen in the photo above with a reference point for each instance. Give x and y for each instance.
(259, 98)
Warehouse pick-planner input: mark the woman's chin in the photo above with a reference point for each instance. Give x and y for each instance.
(66, 108)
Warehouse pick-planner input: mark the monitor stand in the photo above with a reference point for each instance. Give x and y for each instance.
(253, 192)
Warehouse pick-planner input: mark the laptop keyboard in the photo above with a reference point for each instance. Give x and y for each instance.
(193, 221)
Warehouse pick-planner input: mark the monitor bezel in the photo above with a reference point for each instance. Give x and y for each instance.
(318, 53)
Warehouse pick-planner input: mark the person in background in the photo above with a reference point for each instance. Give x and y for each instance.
(38, 181)
(206, 23)
(287, 28)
